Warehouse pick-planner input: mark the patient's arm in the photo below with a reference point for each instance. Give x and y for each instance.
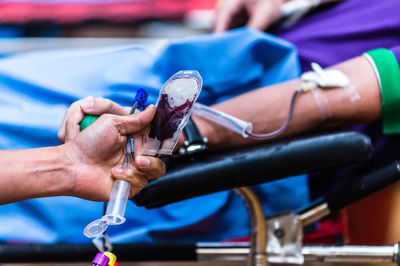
(267, 108)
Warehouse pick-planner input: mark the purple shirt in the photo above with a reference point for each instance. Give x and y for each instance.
(334, 34)
(396, 51)
(345, 30)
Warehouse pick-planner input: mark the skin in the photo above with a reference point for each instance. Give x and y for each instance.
(272, 108)
(258, 14)
(267, 108)
(85, 167)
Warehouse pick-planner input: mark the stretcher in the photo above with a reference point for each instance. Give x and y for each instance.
(276, 239)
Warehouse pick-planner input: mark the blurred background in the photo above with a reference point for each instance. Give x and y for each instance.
(76, 21)
(27, 25)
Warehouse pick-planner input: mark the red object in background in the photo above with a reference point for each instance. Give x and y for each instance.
(330, 231)
(64, 12)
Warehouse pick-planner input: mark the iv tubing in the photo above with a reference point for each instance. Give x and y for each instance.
(281, 129)
(239, 126)
(233, 123)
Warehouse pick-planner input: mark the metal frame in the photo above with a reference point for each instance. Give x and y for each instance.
(256, 254)
(341, 254)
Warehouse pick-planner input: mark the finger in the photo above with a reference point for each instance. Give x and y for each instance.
(134, 191)
(70, 125)
(74, 115)
(135, 123)
(138, 140)
(101, 106)
(151, 166)
(225, 13)
(264, 14)
(134, 177)
(181, 142)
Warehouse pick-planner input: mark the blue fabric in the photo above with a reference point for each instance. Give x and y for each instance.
(37, 88)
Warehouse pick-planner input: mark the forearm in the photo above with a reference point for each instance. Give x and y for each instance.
(32, 173)
(267, 108)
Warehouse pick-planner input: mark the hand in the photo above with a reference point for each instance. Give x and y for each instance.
(99, 148)
(70, 125)
(260, 13)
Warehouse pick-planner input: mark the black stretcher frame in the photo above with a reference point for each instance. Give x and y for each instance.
(210, 173)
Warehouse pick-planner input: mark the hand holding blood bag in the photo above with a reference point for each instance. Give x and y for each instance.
(174, 106)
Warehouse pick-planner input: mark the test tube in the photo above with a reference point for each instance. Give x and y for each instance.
(112, 257)
(115, 213)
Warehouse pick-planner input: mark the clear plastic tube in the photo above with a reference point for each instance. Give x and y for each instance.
(233, 123)
(239, 126)
(116, 207)
(115, 213)
(284, 126)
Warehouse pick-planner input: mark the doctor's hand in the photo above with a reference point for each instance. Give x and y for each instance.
(69, 128)
(97, 156)
(258, 14)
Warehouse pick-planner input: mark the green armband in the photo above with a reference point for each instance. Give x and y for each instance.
(389, 75)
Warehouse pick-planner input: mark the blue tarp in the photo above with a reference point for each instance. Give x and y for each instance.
(37, 88)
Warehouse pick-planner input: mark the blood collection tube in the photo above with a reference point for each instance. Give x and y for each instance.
(112, 257)
(100, 260)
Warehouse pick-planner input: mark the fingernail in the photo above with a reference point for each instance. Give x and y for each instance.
(143, 161)
(117, 170)
(87, 103)
(128, 172)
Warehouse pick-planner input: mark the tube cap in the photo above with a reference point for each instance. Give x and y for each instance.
(100, 260)
(95, 228)
(112, 258)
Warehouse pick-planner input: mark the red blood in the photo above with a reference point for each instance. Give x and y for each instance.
(167, 118)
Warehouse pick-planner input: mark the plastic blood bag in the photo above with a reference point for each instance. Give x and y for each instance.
(174, 106)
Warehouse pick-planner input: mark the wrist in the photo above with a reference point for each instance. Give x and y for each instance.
(48, 172)
(206, 130)
(69, 174)
(34, 173)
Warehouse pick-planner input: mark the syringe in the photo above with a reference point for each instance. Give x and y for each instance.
(115, 213)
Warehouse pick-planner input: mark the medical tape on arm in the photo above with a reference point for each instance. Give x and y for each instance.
(319, 79)
(387, 72)
(313, 81)
(352, 92)
(322, 103)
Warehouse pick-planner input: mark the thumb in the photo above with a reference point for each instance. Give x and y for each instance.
(136, 122)
(100, 106)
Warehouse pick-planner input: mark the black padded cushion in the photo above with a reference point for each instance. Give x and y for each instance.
(255, 165)
(69, 253)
